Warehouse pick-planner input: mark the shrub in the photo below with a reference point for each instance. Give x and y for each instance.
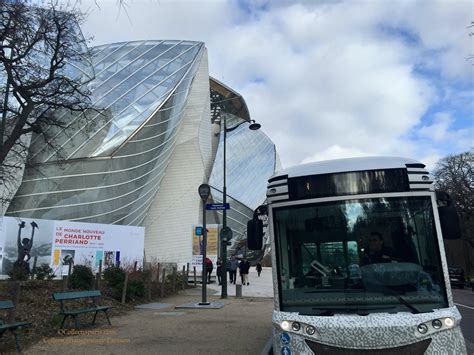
(114, 276)
(18, 273)
(44, 272)
(135, 289)
(81, 278)
(136, 283)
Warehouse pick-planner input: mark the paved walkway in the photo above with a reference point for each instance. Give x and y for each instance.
(243, 326)
(259, 286)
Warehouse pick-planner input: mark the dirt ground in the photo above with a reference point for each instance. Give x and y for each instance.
(242, 326)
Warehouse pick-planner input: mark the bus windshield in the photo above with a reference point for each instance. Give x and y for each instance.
(359, 257)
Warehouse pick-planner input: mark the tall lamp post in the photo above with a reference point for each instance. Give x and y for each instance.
(253, 126)
(204, 192)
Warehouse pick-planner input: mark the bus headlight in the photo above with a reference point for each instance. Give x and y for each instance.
(422, 328)
(310, 330)
(285, 325)
(436, 324)
(295, 326)
(449, 322)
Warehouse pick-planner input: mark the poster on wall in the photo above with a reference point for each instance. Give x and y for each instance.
(211, 245)
(23, 239)
(58, 243)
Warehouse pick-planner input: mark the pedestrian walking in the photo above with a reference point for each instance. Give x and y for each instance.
(233, 264)
(209, 267)
(219, 270)
(259, 268)
(244, 268)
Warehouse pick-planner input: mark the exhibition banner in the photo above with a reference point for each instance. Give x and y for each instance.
(211, 245)
(56, 243)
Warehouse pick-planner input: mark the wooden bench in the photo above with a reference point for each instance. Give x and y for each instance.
(73, 313)
(12, 327)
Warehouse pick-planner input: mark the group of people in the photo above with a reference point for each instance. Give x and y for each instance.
(232, 266)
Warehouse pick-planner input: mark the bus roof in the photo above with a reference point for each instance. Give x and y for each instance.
(347, 165)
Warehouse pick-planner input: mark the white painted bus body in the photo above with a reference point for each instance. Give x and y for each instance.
(394, 332)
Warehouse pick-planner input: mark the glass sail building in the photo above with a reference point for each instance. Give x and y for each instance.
(152, 138)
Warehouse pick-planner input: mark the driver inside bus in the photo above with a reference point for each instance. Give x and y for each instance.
(376, 252)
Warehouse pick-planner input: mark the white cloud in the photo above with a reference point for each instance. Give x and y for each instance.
(439, 129)
(441, 132)
(324, 80)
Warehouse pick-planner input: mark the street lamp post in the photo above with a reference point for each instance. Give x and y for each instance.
(224, 222)
(253, 126)
(204, 192)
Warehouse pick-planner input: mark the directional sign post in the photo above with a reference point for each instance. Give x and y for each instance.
(217, 206)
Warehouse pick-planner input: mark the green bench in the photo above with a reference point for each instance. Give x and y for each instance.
(73, 313)
(12, 327)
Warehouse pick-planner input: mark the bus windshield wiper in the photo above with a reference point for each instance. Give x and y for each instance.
(406, 303)
(401, 300)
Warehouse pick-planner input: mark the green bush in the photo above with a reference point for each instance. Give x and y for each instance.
(44, 272)
(81, 278)
(18, 273)
(114, 276)
(135, 289)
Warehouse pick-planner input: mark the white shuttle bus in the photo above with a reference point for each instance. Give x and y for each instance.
(358, 259)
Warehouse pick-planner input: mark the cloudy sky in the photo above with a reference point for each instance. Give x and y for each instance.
(327, 79)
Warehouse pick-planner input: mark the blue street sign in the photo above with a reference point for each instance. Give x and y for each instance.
(217, 206)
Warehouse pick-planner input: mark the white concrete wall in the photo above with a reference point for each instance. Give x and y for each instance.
(176, 207)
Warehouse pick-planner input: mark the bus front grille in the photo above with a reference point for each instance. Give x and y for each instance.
(418, 348)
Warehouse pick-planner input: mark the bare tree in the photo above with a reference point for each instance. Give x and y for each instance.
(44, 67)
(454, 174)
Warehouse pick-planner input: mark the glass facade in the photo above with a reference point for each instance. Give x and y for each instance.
(237, 218)
(251, 159)
(112, 159)
(115, 163)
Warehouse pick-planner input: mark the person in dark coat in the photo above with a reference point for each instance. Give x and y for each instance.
(376, 252)
(209, 267)
(259, 268)
(232, 266)
(244, 268)
(219, 270)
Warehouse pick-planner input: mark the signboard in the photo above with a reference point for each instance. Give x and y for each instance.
(217, 206)
(211, 248)
(54, 242)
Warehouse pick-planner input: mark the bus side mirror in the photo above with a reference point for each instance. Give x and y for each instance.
(449, 220)
(255, 234)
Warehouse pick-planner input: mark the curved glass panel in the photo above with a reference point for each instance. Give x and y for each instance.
(250, 162)
(131, 79)
(237, 218)
(115, 189)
